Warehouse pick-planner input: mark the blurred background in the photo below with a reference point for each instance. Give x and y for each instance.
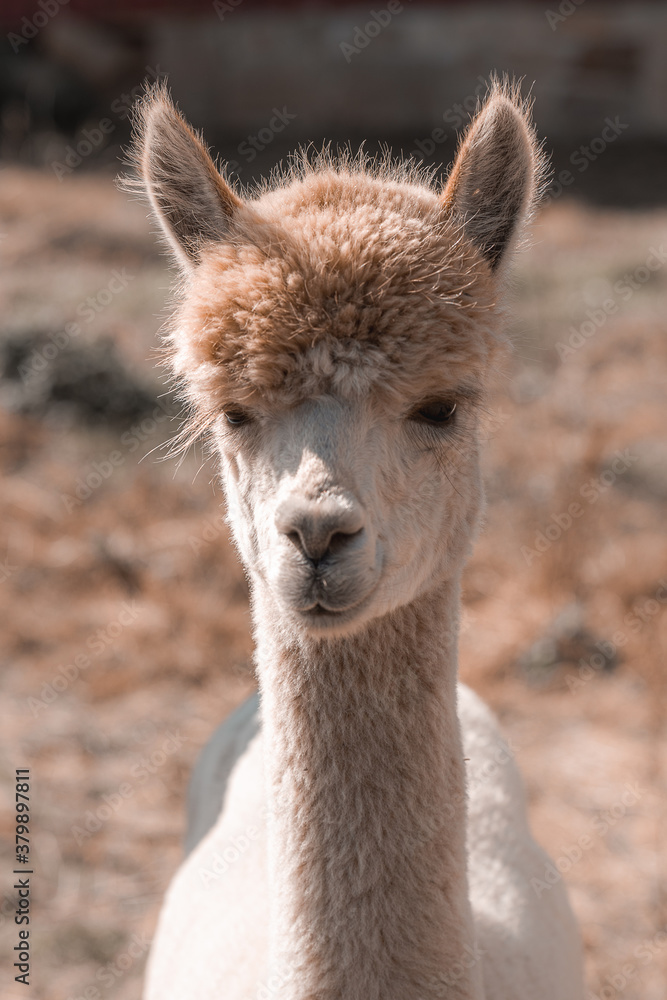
(125, 629)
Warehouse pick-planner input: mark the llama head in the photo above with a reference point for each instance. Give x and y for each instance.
(336, 333)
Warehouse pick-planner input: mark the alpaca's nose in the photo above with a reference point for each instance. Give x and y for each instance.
(320, 528)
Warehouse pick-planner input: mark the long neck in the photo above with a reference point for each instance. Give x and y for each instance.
(365, 774)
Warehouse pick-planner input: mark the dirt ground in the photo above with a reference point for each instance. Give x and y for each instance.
(125, 633)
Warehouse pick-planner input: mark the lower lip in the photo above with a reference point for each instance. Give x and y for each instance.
(322, 617)
(320, 612)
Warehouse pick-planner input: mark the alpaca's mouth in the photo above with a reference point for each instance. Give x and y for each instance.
(323, 602)
(322, 618)
(319, 619)
(319, 609)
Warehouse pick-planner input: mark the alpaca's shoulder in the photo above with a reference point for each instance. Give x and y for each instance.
(222, 884)
(497, 815)
(490, 756)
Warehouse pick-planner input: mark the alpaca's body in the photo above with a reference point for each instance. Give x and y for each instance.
(189, 961)
(336, 334)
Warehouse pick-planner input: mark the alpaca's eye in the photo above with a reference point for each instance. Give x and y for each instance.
(236, 417)
(435, 412)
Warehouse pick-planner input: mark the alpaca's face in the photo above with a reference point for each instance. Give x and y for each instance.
(336, 334)
(343, 373)
(346, 508)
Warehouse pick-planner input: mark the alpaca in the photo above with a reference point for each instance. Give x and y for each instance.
(336, 334)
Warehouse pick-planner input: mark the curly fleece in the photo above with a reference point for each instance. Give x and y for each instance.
(341, 274)
(350, 282)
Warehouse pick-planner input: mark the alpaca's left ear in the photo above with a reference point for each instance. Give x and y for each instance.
(494, 178)
(191, 200)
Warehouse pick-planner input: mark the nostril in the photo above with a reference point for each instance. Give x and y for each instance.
(317, 546)
(305, 543)
(319, 529)
(296, 540)
(340, 540)
(317, 541)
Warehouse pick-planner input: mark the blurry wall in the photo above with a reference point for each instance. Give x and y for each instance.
(261, 78)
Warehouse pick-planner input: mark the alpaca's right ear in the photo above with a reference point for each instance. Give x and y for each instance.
(191, 200)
